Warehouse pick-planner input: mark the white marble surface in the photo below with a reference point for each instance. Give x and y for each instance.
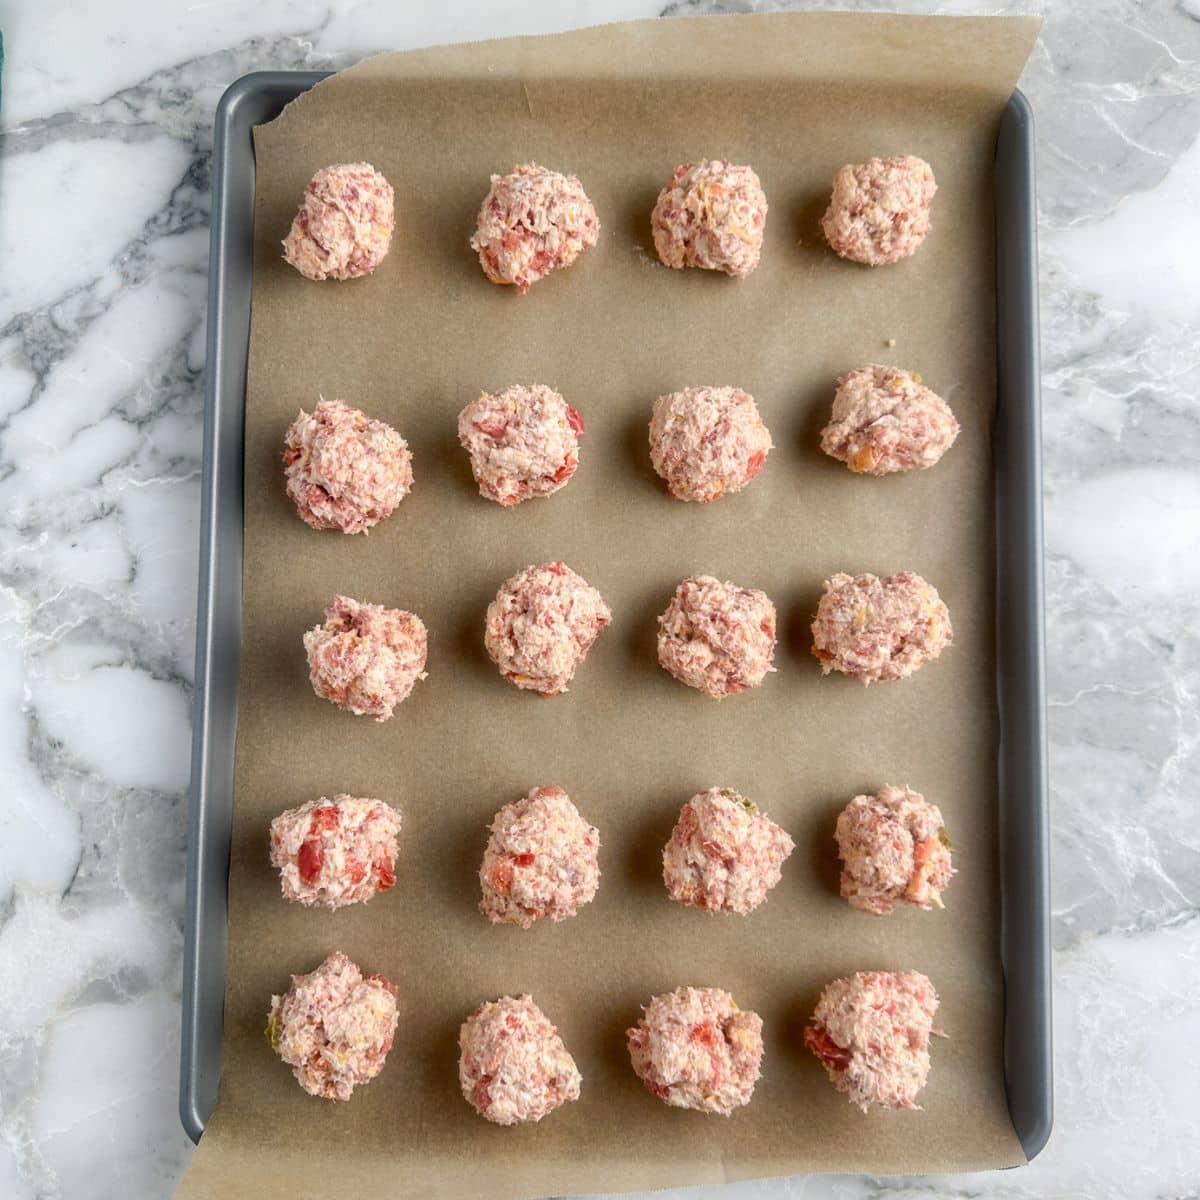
(104, 179)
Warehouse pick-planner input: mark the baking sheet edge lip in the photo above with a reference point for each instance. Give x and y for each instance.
(1034, 1123)
(189, 1107)
(195, 933)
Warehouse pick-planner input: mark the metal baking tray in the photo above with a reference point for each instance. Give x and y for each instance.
(1021, 763)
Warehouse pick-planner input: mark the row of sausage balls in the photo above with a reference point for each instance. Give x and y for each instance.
(693, 1048)
(347, 471)
(711, 214)
(716, 637)
(542, 855)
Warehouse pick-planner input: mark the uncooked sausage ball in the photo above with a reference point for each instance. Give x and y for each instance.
(334, 1027)
(724, 855)
(335, 852)
(523, 442)
(871, 1033)
(541, 625)
(879, 211)
(717, 637)
(513, 1066)
(366, 659)
(711, 215)
(540, 861)
(872, 629)
(344, 470)
(884, 419)
(694, 1048)
(707, 442)
(344, 227)
(533, 221)
(894, 850)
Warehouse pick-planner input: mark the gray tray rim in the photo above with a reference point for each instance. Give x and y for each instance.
(1020, 651)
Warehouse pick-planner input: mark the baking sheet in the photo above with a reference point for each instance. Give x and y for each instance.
(796, 96)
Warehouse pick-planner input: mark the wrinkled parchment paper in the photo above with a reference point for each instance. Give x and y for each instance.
(795, 96)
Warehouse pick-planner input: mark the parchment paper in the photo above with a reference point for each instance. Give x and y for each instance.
(795, 96)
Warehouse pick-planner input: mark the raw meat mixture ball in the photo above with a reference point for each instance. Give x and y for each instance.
(334, 1027)
(335, 852)
(711, 215)
(724, 855)
(706, 442)
(894, 850)
(695, 1048)
(523, 442)
(541, 625)
(541, 860)
(872, 629)
(366, 658)
(532, 222)
(885, 420)
(871, 1033)
(344, 227)
(879, 211)
(514, 1067)
(344, 470)
(717, 637)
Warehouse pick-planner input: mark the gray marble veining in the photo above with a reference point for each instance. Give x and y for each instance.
(104, 175)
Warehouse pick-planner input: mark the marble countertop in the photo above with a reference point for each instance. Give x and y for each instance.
(104, 179)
